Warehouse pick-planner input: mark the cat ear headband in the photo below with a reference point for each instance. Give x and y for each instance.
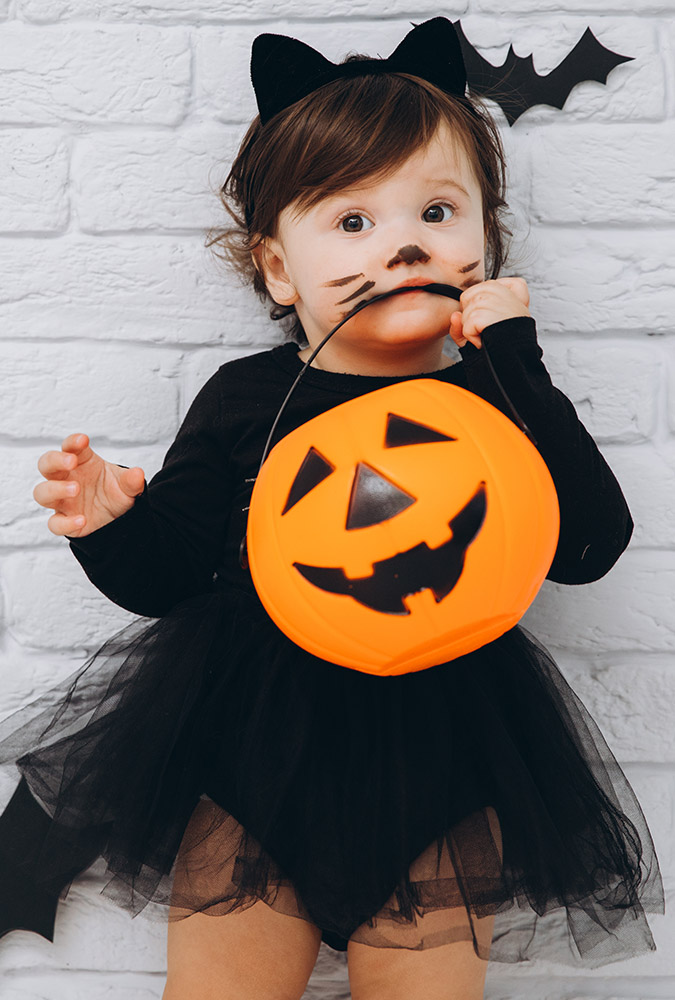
(284, 70)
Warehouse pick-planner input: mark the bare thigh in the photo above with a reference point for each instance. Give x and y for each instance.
(447, 972)
(257, 953)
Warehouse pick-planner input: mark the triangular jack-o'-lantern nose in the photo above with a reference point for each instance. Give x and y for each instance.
(374, 499)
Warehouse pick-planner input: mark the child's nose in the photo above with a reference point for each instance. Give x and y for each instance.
(409, 254)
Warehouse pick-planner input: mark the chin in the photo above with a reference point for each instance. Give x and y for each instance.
(406, 326)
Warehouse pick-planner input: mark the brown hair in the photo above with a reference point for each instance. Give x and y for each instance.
(336, 137)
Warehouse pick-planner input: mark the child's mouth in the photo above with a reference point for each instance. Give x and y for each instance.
(414, 284)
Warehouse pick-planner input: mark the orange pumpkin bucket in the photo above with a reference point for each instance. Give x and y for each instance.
(401, 529)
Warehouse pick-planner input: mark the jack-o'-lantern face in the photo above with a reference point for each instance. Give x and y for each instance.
(402, 528)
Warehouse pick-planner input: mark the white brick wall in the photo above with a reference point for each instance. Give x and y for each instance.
(116, 124)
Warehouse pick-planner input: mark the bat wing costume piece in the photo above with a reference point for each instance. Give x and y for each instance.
(516, 85)
(211, 762)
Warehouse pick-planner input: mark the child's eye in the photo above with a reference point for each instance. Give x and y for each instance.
(439, 213)
(354, 223)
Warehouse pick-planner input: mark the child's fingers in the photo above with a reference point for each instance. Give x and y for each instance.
(56, 464)
(78, 444)
(519, 288)
(131, 481)
(52, 493)
(59, 464)
(456, 329)
(62, 524)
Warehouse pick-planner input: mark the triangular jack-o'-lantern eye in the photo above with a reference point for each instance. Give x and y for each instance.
(401, 431)
(314, 469)
(374, 499)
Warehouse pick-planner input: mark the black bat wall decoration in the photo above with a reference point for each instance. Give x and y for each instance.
(516, 85)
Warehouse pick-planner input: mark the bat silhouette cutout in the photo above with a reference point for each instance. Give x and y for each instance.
(516, 85)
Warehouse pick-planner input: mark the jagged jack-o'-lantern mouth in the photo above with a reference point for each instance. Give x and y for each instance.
(409, 572)
(402, 528)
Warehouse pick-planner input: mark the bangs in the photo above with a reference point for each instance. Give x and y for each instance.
(357, 130)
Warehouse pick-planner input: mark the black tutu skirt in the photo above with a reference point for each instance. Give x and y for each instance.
(212, 763)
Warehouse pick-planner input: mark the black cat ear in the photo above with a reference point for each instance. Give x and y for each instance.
(432, 51)
(283, 70)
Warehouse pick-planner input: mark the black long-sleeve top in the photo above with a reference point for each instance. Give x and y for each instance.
(182, 535)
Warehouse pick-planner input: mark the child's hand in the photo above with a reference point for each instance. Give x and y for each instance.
(85, 491)
(485, 303)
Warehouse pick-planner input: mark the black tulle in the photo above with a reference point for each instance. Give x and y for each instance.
(399, 811)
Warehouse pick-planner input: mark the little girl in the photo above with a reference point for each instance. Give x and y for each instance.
(270, 800)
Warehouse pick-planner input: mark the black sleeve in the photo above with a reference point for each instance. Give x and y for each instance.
(595, 523)
(165, 548)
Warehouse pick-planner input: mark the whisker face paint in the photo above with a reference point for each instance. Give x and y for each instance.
(469, 267)
(348, 312)
(365, 287)
(338, 282)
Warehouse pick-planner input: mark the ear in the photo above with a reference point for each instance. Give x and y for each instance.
(270, 260)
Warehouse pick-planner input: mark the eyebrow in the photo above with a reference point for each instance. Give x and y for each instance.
(449, 182)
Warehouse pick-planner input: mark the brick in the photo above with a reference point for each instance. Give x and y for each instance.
(647, 476)
(210, 10)
(671, 391)
(66, 985)
(632, 608)
(27, 674)
(630, 697)
(635, 90)
(124, 288)
(52, 605)
(87, 73)
(601, 281)
(33, 180)
(153, 181)
(614, 387)
(52, 390)
(586, 7)
(621, 174)
(20, 474)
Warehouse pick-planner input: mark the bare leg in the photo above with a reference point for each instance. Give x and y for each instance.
(447, 972)
(257, 953)
(254, 954)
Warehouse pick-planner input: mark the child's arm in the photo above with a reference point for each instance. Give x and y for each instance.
(595, 523)
(165, 547)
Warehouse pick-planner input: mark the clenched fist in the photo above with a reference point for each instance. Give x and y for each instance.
(83, 489)
(488, 302)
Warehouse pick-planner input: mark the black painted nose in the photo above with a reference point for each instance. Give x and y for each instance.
(409, 254)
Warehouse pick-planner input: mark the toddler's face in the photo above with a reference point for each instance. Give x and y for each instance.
(421, 223)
